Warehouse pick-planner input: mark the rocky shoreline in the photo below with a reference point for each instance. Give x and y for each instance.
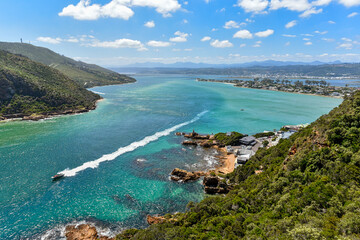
(83, 232)
(37, 117)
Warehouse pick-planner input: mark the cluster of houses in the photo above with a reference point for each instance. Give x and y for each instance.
(305, 87)
(249, 145)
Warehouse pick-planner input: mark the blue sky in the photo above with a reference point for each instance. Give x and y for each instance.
(119, 32)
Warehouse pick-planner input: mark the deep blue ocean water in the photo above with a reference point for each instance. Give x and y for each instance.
(118, 157)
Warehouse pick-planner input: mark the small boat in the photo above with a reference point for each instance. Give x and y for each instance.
(57, 176)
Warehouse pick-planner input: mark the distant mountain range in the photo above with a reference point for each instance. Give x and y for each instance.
(317, 69)
(87, 75)
(267, 63)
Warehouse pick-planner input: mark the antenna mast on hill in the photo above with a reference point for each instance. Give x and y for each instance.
(21, 40)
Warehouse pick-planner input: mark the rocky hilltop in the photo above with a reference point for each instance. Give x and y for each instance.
(31, 90)
(86, 75)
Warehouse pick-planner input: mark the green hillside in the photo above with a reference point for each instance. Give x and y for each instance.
(28, 87)
(309, 189)
(87, 75)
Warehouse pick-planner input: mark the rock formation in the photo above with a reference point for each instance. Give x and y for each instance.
(185, 176)
(155, 219)
(214, 185)
(83, 232)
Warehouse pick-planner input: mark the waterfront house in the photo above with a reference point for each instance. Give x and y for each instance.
(248, 141)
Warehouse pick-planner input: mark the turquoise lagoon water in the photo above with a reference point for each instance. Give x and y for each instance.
(118, 157)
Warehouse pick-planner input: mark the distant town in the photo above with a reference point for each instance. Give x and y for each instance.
(314, 87)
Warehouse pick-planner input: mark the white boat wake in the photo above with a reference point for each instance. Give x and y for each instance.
(112, 156)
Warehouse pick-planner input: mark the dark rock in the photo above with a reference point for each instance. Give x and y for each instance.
(206, 144)
(185, 176)
(189, 143)
(213, 185)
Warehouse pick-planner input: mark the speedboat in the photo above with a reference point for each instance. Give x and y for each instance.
(57, 176)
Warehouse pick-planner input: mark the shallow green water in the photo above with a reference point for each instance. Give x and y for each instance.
(131, 180)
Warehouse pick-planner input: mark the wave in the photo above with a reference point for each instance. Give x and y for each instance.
(112, 156)
(101, 93)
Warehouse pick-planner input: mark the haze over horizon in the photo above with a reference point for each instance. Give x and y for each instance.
(122, 32)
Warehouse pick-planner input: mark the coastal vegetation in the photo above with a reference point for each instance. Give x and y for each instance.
(306, 187)
(30, 88)
(86, 75)
(321, 88)
(226, 139)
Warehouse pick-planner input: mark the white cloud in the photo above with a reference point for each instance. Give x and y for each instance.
(244, 34)
(321, 33)
(221, 44)
(158, 44)
(291, 24)
(350, 3)
(328, 39)
(206, 38)
(257, 44)
(331, 22)
(321, 2)
(71, 40)
(119, 43)
(307, 7)
(49, 40)
(232, 24)
(180, 37)
(255, 6)
(346, 39)
(265, 33)
(287, 44)
(242, 45)
(185, 21)
(214, 29)
(352, 14)
(289, 35)
(150, 24)
(293, 5)
(308, 43)
(84, 10)
(310, 12)
(306, 39)
(346, 46)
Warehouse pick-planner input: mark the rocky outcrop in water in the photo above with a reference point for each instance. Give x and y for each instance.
(214, 185)
(185, 176)
(83, 232)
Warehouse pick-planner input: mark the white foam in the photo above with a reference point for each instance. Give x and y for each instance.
(99, 93)
(112, 156)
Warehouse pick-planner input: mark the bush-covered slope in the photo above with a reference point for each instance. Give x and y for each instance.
(309, 188)
(87, 75)
(28, 87)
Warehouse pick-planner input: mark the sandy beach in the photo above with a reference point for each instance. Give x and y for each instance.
(227, 162)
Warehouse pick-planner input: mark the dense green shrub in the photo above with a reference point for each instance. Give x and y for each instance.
(231, 140)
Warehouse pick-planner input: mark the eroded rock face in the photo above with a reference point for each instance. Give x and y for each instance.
(213, 185)
(185, 176)
(154, 219)
(83, 232)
